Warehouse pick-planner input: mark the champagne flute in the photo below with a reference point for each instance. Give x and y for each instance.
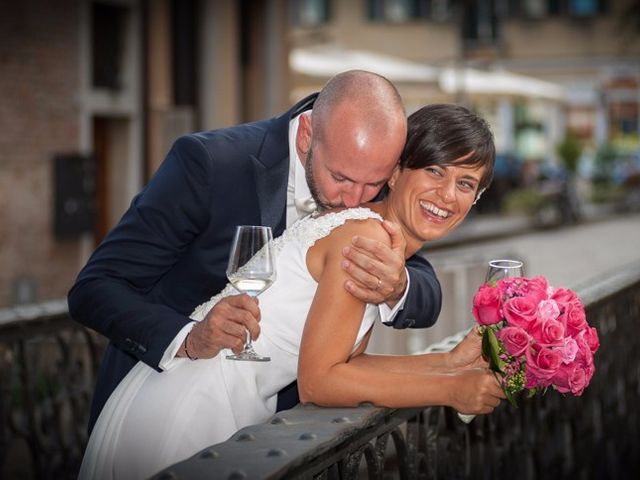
(497, 270)
(504, 268)
(251, 270)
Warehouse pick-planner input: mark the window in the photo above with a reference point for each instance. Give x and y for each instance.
(399, 11)
(184, 51)
(108, 36)
(583, 8)
(534, 8)
(480, 23)
(309, 13)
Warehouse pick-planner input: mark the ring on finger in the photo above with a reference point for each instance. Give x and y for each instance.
(378, 285)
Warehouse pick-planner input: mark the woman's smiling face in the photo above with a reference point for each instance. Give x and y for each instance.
(430, 202)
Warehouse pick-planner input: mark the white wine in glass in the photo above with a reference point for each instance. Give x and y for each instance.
(251, 270)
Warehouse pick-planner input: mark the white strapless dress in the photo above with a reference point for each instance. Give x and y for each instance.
(153, 420)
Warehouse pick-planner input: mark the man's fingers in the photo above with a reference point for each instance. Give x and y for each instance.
(238, 320)
(245, 302)
(365, 278)
(397, 239)
(374, 248)
(232, 342)
(365, 295)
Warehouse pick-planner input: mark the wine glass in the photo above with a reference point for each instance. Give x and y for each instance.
(251, 270)
(502, 269)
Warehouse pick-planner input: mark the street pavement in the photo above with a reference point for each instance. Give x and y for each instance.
(567, 256)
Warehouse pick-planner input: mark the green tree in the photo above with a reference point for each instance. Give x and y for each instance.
(569, 151)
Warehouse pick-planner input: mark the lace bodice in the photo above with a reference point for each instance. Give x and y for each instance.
(306, 231)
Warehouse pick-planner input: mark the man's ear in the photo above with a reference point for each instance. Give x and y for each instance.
(303, 135)
(394, 177)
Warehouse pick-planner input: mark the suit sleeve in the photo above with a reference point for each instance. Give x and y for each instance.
(113, 293)
(424, 298)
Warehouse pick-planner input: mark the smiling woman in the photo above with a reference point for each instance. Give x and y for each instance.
(312, 327)
(446, 164)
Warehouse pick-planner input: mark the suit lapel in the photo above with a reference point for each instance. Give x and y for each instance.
(271, 168)
(271, 187)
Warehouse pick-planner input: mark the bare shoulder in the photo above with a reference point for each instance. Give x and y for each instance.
(340, 237)
(370, 227)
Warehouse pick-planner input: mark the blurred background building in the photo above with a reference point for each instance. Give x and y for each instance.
(93, 93)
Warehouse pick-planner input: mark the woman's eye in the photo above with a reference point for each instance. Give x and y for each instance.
(433, 170)
(467, 186)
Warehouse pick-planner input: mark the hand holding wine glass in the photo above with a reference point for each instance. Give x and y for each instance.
(251, 270)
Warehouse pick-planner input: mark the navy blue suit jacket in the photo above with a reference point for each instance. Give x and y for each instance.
(169, 251)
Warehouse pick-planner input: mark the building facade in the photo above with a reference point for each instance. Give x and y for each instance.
(92, 95)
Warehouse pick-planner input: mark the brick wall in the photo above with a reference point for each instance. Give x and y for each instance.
(39, 117)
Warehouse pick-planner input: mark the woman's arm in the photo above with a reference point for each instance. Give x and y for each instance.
(326, 374)
(467, 354)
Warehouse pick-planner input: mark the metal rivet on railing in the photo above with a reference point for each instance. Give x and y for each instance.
(280, 421)
(237, 475)
(308, 436)
(276, 452)
(245, 437)
(209, 453)
(167, 476)
(341, 420)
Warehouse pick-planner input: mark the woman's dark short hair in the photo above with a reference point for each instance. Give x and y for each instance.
(440, 134)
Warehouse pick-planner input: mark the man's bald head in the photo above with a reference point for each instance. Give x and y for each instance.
(353, 140)
(371, 101)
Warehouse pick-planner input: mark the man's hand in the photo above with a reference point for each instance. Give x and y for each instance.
(376, 270)
(225, 326)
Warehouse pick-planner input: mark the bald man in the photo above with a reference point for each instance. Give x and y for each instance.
(169, 251)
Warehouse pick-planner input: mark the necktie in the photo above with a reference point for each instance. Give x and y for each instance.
(305, 206)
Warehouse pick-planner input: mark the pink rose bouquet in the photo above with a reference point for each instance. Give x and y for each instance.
(535, 336)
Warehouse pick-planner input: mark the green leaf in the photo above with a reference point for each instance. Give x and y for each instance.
(510, 397)
(491, 350)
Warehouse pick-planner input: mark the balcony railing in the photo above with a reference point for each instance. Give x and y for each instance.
(596, 435)
(48, 365)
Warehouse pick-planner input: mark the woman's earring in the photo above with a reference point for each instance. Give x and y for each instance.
(478, 196)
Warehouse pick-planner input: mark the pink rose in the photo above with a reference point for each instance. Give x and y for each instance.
(486, 305)
(569, 350)
(536, 287)
(515, 340)
(548, 310)
(548, 333)
(544, 364)
(571, 378)
(590, 336)
(574, 318)
(520, 312)
(584, 355)
(563, 296)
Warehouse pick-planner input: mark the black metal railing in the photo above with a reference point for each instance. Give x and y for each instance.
(596, 435)
(48, 365)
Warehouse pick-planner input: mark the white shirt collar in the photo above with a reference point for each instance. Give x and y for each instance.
(297, 187)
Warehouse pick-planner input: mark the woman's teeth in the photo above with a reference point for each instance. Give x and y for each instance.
(431, 208)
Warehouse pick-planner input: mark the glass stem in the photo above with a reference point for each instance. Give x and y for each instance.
(247, 343)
